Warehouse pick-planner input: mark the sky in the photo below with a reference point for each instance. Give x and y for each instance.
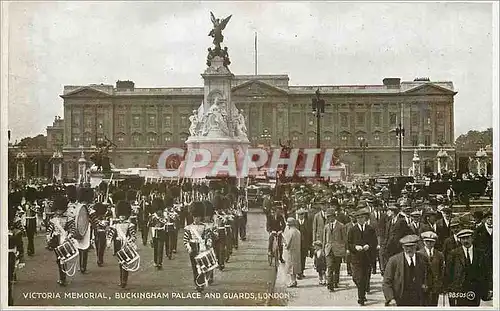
(164, 44)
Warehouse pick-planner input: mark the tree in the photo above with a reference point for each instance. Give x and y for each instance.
(39, 141)
(474, 140)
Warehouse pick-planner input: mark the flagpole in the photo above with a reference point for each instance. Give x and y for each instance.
(255, 52)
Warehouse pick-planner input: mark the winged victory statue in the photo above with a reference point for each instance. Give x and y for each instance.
(216, 32)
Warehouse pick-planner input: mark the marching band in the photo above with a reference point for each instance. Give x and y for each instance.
(78, 219)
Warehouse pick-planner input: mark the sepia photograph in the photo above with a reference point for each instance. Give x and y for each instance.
(249, 154)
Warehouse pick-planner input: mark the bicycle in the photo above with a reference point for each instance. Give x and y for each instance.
(275, 251)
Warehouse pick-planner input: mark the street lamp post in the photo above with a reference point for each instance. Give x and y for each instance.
(363, 144)
(400, 133)
(318, 108)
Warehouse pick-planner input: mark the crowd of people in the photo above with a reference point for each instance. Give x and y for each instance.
(423, 248)
(77, 218)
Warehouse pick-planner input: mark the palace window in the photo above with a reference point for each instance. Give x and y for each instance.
(295, 138)
(121, 139)
(393, 118)
(440, 116)
(136, 140)
(376, 139)
(76, 121)
(151, 120)
(360, 118)
(88, 122)
(344, 119)
(121, 121)
(184, 121)
(136, 120)
(152, 140)
(414, 140)
(377, 116)
(427, 140)
(427, 116)
(167, 121)
(414, 118)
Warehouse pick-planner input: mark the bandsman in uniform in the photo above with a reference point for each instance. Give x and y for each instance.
(467, 273)
(100, 227)
(157, 224)
(122, 231)
(85, 198)
(31, 210)
(16, 248)
(210, 225)
(407, 275)
(197, 238)
(172, 226)
(436, 263)
(61, 228)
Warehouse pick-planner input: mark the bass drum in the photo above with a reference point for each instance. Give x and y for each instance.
(82, 227)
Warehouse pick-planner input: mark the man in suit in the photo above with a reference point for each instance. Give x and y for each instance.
(334, 243)
(483, 238)
(378, 219)
(398, 227)
(468, 278)
(443, 227)
(430, 219)
(361, 241)
(407, 275)
(436, 262)
(276, 222)
(305, 239)
(348, 227)
(319, 222)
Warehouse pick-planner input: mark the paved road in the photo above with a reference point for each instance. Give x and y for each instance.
(310, 293)
(244, 282)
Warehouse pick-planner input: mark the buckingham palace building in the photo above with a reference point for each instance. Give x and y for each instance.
(359, 120)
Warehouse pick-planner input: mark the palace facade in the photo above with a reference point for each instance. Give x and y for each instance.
(143, 122)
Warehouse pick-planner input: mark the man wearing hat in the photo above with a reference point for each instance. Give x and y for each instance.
(398, 226)
(319, 222)
(362, 246)
(276, 222)
(334, 239)
(407, 275)
(157, 224)
(31, 209)
(85, 197)
(120, 233)
(100, 224)
(483, 238)
(60, 228)
(378, 220)
(436, 262)
(197, 239)
(292, 251)
(468, 277)
(305, 239)
(443, 226)
(347, 227)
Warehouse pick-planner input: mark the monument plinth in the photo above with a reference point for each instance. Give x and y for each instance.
(217, 126)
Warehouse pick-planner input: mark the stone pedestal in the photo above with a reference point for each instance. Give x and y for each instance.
(482, 165)
(21, 165)
(57, 167)
(217, 127)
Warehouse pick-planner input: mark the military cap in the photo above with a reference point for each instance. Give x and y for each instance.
(197, 209)
(362, 212)
(429, 236)
(410, 239)
(31, 194)
(123, 208)
(464, 233)
(404, 191)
